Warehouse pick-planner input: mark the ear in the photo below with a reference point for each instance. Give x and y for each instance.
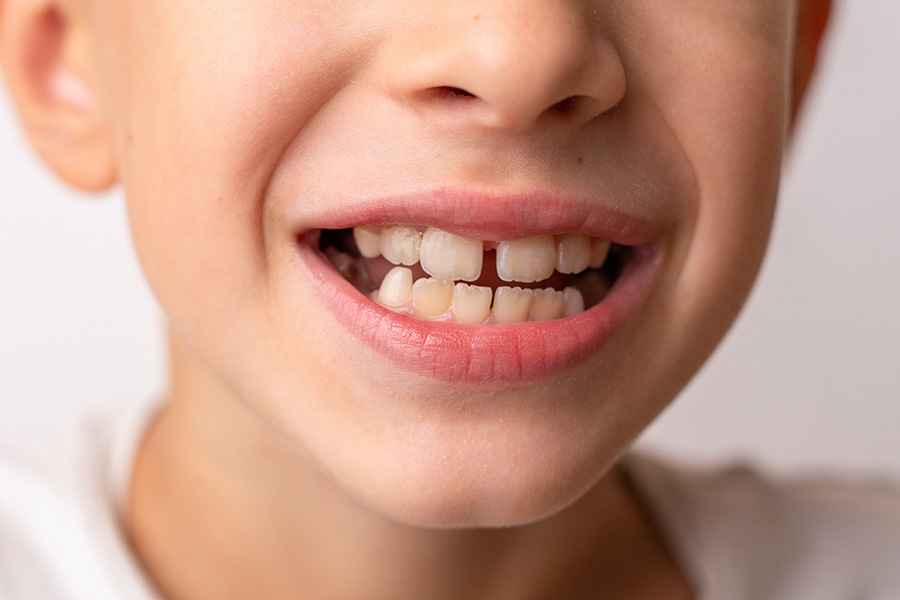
(44, 52)
(812, 20)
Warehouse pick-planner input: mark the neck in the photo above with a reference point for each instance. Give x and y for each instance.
(223, 506)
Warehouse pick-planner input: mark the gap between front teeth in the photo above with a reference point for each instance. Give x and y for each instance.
(451, 259)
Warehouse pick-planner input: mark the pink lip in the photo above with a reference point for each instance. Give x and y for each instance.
(487, 353)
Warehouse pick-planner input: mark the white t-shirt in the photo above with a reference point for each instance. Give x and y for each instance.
(740, 536)
(737, 535)
(60, 537)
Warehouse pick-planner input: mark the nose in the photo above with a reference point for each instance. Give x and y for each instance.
(507, 64)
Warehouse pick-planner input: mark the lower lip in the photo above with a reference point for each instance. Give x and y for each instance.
(458, 353)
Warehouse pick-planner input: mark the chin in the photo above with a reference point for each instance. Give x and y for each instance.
(495, 482)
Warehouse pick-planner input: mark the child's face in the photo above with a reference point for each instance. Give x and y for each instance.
(242, 129)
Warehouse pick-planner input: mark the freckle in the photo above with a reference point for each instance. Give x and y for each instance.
(580, 160)
(476, 18)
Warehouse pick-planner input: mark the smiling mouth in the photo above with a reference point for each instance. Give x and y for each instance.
(430, 274)
(467, 286)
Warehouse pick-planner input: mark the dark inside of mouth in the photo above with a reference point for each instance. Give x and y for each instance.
(366, 274)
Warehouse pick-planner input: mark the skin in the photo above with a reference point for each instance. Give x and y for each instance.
(289, 460)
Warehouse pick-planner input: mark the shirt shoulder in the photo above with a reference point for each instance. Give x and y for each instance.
(60, 536)
(746, 535)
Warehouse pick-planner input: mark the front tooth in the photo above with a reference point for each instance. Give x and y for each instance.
(526, 260)
(400, 244)
(471, 303)
(368, 241)
(432, 297)
(573, 253)
(548, 305)
(396, 288)
(450, 256)
(599, 251)
(511, 304)
(573, 302)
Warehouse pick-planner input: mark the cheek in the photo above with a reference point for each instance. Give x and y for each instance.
(723, 92)
(735, 156)
(209, 101)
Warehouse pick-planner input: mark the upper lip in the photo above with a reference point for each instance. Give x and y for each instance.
(493, 216)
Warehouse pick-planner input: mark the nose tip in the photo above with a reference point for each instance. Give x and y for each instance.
(529, 63)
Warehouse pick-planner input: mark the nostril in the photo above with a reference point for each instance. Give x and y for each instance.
(452, 92)
(565, 106)
(573, 106)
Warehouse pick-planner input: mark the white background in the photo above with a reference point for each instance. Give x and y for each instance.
(809, 377)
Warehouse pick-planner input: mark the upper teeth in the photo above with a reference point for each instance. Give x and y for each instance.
(450, 256)
(458, 258)
(526, 260)
(573, 253)
(368, 241)
(400, 244)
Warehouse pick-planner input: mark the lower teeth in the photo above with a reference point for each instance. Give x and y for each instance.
(413, 293)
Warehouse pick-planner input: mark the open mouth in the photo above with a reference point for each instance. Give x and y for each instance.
(430, 274)
(464, 286)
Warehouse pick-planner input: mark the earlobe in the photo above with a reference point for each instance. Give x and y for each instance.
(812, 21)
(44, 54)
